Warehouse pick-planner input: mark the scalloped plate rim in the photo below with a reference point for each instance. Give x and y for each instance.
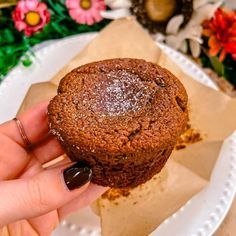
(201, 77)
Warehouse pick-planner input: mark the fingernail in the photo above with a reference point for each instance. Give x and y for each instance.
(77, 175)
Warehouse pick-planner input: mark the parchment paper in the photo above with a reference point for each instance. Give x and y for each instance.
(188, 170)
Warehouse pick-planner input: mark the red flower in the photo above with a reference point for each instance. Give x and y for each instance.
(221, 31)
(30, 16)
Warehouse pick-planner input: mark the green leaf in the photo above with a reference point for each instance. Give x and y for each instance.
(217, 65)
(205, 60)
(56, 27)
(14, 44)
(57, 8)
(27, 61)
(7, 36)
(230, 70)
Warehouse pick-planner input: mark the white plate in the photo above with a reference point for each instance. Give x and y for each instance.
(200, 216)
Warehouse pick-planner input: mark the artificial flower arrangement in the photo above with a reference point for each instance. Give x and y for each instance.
(200, 28)
(25, 23)
(219, 46)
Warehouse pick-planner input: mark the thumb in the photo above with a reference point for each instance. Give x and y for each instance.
(47, 191)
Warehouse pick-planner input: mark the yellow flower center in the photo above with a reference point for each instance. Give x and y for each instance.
(32, 18)
(160, 10)
(85, 4)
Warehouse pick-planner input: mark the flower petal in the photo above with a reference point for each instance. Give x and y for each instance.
(232, 29)
(174, 24)
(214, 43)
(184, 47)
(158, 37)
(20, 25)
(222, 55)
(72, 4)
(234, 56)
(17, 15)
(214, 51)
(97, 17)
(117, 4)
(98, 5)
(89, 16)
(78, 15)
(195, 48)
(41, 7)
(230, 47)
(89, 19)
(207, 32)
(22, 6)
(199, 3)
(115, 14)
(174, 41)
(31, 4)
(207, 11)
(28, 32)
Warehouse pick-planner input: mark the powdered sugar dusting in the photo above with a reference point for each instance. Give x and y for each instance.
(120, 93)
(57, 134)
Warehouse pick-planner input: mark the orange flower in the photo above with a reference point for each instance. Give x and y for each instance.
(221, 30)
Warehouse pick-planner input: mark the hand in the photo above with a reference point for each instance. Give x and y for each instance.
(34, 199)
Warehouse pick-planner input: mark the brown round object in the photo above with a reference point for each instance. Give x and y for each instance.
(160, 10)
(154, 14)
(120, 116)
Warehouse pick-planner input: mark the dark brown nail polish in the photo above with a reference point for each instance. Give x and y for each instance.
(77, 175)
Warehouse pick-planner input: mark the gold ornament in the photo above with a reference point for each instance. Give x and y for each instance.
(155, 14)
(160, 10)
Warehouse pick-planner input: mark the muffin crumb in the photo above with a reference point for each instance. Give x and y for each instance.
(189, 136)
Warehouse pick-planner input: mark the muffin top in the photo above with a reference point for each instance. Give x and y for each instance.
(119, 106)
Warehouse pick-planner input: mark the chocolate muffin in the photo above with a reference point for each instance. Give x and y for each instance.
(120, 116)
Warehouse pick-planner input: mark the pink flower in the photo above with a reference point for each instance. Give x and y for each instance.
(86, 11)
(30, 16)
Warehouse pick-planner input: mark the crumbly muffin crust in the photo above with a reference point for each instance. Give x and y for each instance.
(120, 116)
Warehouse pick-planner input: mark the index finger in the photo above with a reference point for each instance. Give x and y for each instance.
(34, 122)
